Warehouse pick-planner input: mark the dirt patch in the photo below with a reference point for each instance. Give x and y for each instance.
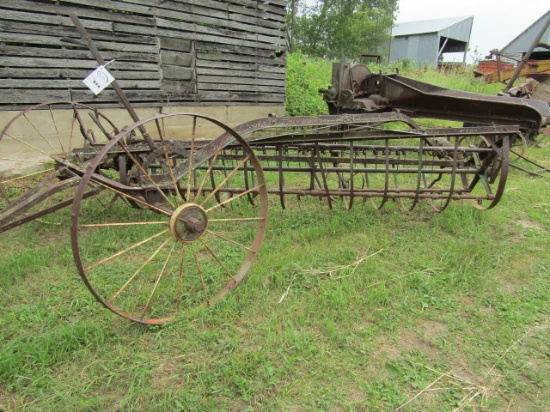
(171, 372)
(412, 341)
(238, 405)
(433, 329)
(463, 372)
(467, 300)
(407, 342)
(422, 339)
(529, 224)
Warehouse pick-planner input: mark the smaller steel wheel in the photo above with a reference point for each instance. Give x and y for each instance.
(33, 183)
(487, 185)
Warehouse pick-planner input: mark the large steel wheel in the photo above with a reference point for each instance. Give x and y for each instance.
(32, 183)
(191, 234)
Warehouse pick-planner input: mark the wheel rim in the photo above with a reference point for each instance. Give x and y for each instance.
(150, 263)
(492, 169)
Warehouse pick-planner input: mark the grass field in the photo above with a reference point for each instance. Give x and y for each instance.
(358, 310)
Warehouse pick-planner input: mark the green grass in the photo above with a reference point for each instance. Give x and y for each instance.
(344, 310)
(358, 310)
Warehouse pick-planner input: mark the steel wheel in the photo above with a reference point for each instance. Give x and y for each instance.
(193, 236)
(492, 168)
(31, 185)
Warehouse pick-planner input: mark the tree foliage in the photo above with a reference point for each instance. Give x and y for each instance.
(339, 28)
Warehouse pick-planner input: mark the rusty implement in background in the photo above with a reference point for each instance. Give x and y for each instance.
(355, 89)
(491, 73)
(535, 87)
(538, 72)
(165, 219)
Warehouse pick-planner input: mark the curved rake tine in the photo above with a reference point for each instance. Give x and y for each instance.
(246, 192)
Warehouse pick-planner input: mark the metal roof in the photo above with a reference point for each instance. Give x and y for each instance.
(525, 39)
(424, 41)
(432, 26)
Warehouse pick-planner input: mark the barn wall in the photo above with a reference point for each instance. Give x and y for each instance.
(420, 48)
(178, 54)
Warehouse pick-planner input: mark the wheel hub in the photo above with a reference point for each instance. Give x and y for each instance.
(188, 222)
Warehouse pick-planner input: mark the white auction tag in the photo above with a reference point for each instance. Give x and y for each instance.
(98, 80)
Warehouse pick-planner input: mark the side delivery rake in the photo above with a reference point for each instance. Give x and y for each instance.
(166, 220)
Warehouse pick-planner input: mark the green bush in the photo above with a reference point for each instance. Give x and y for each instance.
(304, 76)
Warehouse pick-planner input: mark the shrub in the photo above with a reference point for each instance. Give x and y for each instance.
(304, 76)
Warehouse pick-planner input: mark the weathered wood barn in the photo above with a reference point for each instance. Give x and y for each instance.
(222, 58)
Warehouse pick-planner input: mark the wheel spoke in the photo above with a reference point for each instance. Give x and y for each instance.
(41, 135)
(237, 219)
(227, 271)
(57, 133)
(180, 278)
(29, 145)
(126, 250)
(36, 162)
(130, 197)
(147, 261)
(224, 181)
(140, 167)
(76, 118)
(230, 241)
(199, 271)
(210, 166)
(161, 274)
(191, 158)
(163, 222)
(25, 176)
(162, 134)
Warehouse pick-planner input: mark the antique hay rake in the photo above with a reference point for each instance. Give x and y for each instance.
(195, 191)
